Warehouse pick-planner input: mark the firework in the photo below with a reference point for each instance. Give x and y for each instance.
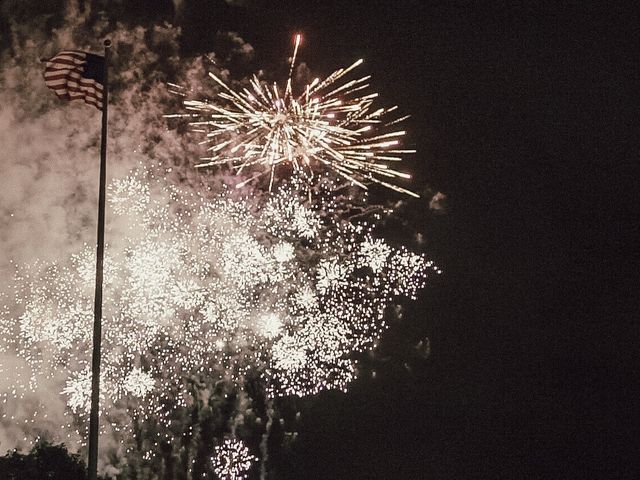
(232, 460)
(329, 124)
(216, 286)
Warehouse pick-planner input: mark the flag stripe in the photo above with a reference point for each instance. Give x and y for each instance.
(49, 72)
(59, 71)
(76, 79)
(66, 58)
(75, 75)
(72, 53)
(71, 85)
(64, 61)
(77, 92)
(52, 77)
(76, 95)
(88, 100)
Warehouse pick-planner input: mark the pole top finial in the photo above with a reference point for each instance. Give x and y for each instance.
(107, 43)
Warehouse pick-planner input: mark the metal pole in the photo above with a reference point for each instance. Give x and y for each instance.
(97, 309)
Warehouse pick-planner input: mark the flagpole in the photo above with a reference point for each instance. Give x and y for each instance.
(94, 423)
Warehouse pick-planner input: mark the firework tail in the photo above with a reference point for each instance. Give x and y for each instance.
(97, 319)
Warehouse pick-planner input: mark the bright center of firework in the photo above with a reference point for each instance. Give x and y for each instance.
(280, 119)
(270, 325)
(283, 252)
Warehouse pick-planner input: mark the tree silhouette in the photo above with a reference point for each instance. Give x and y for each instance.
(44, 462)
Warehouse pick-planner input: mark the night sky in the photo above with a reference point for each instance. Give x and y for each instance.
(520, 117)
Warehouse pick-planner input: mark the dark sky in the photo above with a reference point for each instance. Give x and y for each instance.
(521, 116)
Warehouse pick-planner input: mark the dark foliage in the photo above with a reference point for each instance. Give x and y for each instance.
(44, 461)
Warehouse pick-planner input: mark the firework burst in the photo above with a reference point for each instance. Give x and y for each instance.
(232, 460)
(328, 124)
(277, 289)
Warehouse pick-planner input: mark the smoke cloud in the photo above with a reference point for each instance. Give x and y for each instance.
(438, 203)
(50, 155)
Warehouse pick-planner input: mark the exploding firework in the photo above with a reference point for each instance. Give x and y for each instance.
(277, 289)
(232, 460)
(329, 124)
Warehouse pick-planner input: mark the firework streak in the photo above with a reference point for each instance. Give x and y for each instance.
(328, 124)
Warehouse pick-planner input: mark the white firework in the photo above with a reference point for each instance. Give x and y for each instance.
(283, 252)
(288, 354)
(217, 286)
(128, 194)
(332, 273)
(329, 124)
(270, 325)
(78, 389)
(375, 252)
(138, 383)
(232, 460)
(305, 299)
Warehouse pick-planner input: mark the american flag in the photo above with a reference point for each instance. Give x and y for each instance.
(75, 75)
